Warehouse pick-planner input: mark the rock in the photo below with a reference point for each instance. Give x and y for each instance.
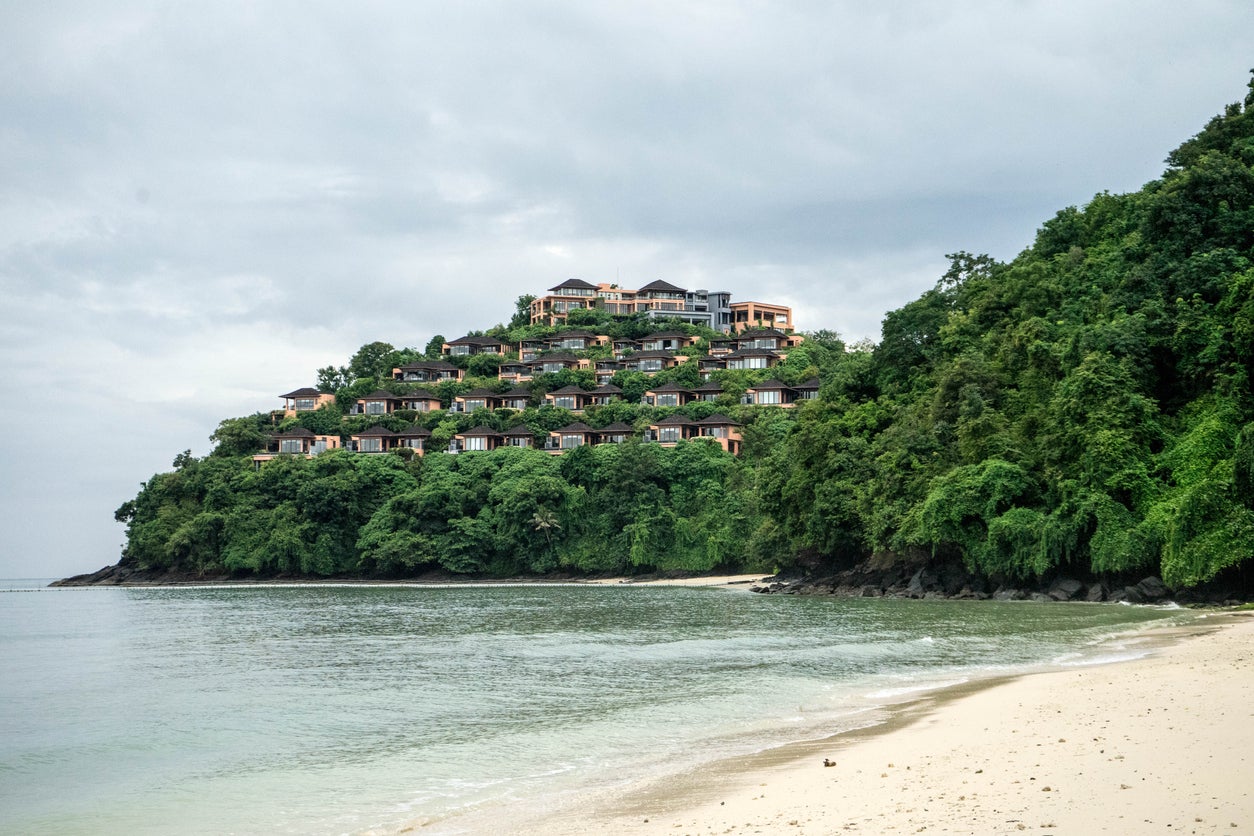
(1064, 589)
(1132, 595)
(1152, 589)
(1008, 594)
(952, 579)
(1040, 597)
(870, 591)
(1096, 593)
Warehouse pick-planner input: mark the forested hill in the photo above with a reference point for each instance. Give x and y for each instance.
(1082, 410)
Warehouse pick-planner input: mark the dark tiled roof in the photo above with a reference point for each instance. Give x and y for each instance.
(673, 420)
(812, 383)
(709, 387)
(565, 335)
(607, 389)
(469, 340)
(420, 395)
(663, 335)
(751, 333)
(480, 430)
(718, 419)
(661, 287)
(519, 431)
(307, 392)
(749, 352)
(296, 432)
(577, 427)
(570, 390)
(380, 395)
(376, 430)
(479, 393)
(575, 283)
(432, 365)
(769, 384)
(414, 432)
(651, 355)
(671, 387)
(555, 357)
(617, 427)
(517, 392)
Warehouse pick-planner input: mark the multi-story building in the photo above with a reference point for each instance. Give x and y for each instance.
(658, 300)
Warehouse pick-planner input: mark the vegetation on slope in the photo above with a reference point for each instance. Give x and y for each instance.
(1083, 409)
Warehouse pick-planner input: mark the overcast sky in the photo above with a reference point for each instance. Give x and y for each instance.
(202, 203)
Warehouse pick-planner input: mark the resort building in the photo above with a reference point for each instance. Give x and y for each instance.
(297, 441)
(427, 371)
(304, 400)
(377, 402)
(569, 437)
(658, 300)
(469, 346)
(745, 315)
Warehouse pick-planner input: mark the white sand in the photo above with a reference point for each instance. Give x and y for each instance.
(1163, 744)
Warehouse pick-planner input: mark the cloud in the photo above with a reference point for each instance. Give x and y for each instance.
(201, 204)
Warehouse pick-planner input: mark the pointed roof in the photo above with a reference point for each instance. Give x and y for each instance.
(519, 431)
(662, 335)
(718, 419)
(377, 431)
(478, 393)
(750, 352)
(711, 386)
(477, 431)
(677, 420)
(653, 353)
(570, 390)
(660, 286)
(517, 392)
(671, 387)
(305, 392)
(554, 357)
(750, 333)
(475, 340)
(607, 389)
(577, 332)
(577, 427)
(578, 284)
(414, 432)
(810, 385)
(434, 365)
(617, 427)
(296, 432)
(380, 395)
(769, 384)
(420, 395)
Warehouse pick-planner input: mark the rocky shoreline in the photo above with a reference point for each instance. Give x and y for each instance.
(953, 581)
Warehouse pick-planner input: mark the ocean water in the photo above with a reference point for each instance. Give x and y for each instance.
(353, 709)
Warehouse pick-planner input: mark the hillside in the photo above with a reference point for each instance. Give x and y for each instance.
(1082, 410)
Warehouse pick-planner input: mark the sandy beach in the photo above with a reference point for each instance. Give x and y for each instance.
(1160, 744)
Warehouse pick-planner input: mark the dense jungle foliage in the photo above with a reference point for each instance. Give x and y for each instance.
(1083, 409)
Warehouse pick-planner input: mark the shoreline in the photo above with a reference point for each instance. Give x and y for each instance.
(1159, 743)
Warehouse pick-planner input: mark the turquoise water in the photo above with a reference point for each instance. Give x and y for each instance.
(347, 709)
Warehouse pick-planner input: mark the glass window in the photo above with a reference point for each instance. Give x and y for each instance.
(564, 401)
(475, 442)
(650, 365)
(304, 403)
(668, 434)
(668, 399)
(768, 396)
(376, 407)
(370, 445)
(571, 441)
(291, 445)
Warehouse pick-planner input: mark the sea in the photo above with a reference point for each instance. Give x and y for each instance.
(362, 709)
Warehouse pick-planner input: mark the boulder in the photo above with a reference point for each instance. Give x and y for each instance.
(1008, 594)
(1040, 597)
(1064, 589)
(1152, 589)
(1096, 593)
(870, 591)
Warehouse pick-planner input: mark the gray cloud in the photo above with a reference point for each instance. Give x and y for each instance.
(201, 204)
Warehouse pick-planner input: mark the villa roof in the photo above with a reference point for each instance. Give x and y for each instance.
(479, 393)
(414, 432)
(659, 335)
(750, 352)
(475, 340)
(578, 332)
(420, 395)
(577, 427)
(676, 419)
(437, 365)
(709, 387)
(607, 389)
(377, 430)
(556, 356)
(306, 392)
(652, 354)
(811, 384)
(517, 392)
(570, 390)
(670, 387)
(660, 286)
(750, 333)
(769, 384)
(477, 431)
(578, 284)
(380, 395)
(296, 432)
(617, 427)
(718, 419)
(519, 431)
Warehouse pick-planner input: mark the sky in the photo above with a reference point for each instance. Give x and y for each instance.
(203, 203)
